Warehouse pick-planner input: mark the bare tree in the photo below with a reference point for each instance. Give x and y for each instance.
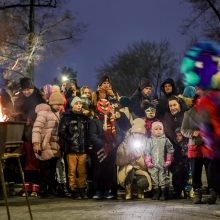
(154, 61)
(31, 27)
(205, 16)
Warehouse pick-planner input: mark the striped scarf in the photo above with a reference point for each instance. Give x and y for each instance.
(108, 127)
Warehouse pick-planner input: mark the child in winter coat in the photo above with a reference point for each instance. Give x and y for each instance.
(150, 117)
(158, 158)
(46, 141)
(73, 134)
(181, 165)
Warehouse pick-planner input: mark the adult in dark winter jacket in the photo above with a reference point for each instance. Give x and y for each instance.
(173, 117)
(105, 138)
(172, 120)
(141, 97)
(168, 89)
(24, 105)
(73, 132)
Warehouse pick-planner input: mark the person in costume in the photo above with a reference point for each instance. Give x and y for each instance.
(200, 68)
(105, 138)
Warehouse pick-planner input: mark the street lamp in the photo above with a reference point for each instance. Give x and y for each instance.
(64, 78)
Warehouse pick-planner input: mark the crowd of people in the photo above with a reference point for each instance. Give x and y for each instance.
(81, 143)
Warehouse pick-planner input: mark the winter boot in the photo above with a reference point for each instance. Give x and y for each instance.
(164, 194)
(63, 191)
(83, 194)
(197, 196)
(75, 194)
(211, 199)
(35, 190)
(156, 194)
(128, 192)
(140, 193)
(27, 188)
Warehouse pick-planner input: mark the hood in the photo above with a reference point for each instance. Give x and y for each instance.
(42, 107)
(170, 81)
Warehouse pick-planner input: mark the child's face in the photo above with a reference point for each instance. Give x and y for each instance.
(179, 137)
(77, 107)
(57, 108)
(157, 131)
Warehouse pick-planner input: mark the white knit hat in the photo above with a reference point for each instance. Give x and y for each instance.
(75, 100)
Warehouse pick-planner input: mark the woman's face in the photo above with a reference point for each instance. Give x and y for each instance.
(174, 107)
(105, 85)
(87, 92)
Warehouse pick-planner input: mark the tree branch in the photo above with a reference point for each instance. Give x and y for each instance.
(214, 9)
(12, 44)
(49, 5)
(193, 20)
(53, 25)
(61, 39)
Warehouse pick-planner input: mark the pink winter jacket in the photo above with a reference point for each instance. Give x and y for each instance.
(45, 132)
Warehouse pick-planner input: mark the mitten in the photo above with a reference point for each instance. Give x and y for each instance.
(36, 147)
(148, 161)
(169, 160)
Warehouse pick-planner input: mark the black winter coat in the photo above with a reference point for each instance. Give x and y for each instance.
(96, 134)
(25, 107)
(171, 123)
(73, 132)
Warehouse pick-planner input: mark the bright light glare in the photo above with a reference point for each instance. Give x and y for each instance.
(64, 78)
(137, 144)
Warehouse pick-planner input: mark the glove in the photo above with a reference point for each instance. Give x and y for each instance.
(169, 160)
(103, 152)
(148, 162)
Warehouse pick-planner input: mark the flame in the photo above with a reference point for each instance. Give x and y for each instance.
(2, 117)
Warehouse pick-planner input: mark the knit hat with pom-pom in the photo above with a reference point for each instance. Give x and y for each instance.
(56, 98)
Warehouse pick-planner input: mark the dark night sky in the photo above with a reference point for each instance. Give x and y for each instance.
(112, 25)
